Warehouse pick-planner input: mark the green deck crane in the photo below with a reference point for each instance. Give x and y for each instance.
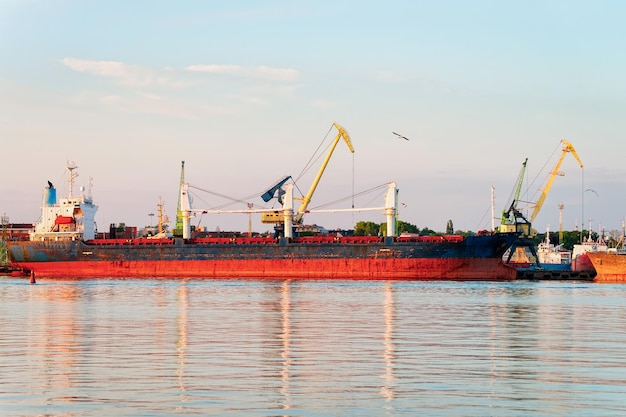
(512, 219)
(178, 231)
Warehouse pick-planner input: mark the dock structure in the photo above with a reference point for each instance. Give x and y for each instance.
(556, 275)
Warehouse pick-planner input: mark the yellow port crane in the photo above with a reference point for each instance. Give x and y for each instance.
(341, 133)
(567, 148)
(276, 217)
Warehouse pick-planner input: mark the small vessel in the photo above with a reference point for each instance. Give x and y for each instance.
(580, 257)
(554, 257)
(546, 261)
(609, 265)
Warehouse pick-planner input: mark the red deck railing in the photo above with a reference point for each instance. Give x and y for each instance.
(322, 239)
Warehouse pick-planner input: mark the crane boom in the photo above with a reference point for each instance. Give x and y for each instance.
(520, 179)
(567, 148)
(341, 133)
(516, 193)
(178, 231)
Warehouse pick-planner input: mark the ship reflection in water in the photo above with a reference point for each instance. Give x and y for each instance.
(311, 348)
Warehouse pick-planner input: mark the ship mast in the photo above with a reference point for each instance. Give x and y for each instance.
(493, 209)
(561, 207)
(71, 166)
(178, 231)
(162, 217)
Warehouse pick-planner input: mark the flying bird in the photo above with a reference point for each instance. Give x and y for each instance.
(593, 191)
(400, 136)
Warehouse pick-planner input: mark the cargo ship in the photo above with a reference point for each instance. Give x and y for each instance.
(64, 245)
(610, 265)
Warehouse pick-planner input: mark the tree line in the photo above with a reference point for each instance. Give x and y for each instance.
(570, 238)
(380, 229)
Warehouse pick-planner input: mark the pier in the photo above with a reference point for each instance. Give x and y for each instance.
(556, 275)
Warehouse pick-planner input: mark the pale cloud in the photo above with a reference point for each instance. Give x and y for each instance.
(138, 76)
(324, 104)
(389, 77)
(128, 75)
(273, 90)
(264, 94)
(110, 100)
(152, 104)
(279, 74)
(217, 69)
(265, 84)
(103, 68)
(150, 96)
(146, 103)
(257, 101)
(262, 72)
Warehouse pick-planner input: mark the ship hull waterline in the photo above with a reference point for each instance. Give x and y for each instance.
(476, 258)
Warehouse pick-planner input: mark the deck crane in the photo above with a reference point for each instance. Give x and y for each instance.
(512, 219)
(341, 133)
(178, 231)
(276, 217)
(567, 148)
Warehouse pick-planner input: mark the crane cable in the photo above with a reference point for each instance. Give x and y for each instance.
(542, 170)
(381, 189)
(315, 156)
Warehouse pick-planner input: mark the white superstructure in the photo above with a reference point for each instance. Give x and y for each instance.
(72, 217)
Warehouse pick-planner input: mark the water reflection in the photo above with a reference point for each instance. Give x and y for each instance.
(388, 356)
(308, 348)
(285, 336)
(181, 343)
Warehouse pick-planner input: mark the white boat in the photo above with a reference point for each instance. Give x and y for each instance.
(553, 256)
(580, 260)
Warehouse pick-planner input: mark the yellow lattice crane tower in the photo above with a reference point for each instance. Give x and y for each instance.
(276, 217)
(555, 171)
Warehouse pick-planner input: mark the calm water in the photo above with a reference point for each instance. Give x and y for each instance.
(312, 348)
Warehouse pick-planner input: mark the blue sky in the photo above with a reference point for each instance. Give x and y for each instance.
(244, 92)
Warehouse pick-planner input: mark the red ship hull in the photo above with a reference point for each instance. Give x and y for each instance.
(365, 257)
(582, 263)
(407, 268)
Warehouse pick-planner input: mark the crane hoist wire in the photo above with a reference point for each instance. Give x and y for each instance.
(379, 189)
(541, 172)
(232, 200)
(316, 155)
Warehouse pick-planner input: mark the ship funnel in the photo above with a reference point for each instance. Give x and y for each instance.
(50, 195)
